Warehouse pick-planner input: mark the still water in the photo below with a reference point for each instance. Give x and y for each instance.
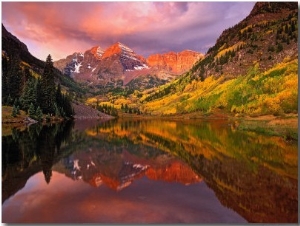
(147, 171)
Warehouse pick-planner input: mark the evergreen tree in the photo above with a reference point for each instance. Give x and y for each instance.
(31, 111)
(29, 94)
(47, 88)
(38, 92)
(5, 90)
(39, 114)
(18, 110)
(14, 111)
(59, 96)
(13, 78)
(279, 48)
(16, 102)
(57, 112)
(67, 106)
(9, 100)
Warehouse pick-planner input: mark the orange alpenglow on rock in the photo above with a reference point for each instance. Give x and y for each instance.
(174, 62)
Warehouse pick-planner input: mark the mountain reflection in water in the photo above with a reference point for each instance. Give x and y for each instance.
(252, 175)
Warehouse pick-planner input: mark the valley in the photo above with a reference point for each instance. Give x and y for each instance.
(251, 71)
(150, 112)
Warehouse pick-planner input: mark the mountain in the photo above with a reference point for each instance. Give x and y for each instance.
(251, 70)
(119, 65)
(103, 68)
(118, 61)
(266, 37)
(16, 52)
(12, 46)
(80, 62)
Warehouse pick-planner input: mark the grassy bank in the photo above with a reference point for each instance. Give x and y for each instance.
(283, 126)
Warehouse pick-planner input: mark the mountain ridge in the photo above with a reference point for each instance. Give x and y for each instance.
(118, 64)
(255, 38)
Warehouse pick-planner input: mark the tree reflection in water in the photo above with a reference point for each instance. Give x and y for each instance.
(252, 174)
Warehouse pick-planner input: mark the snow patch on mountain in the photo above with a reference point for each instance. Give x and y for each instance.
(125, 48)
(138, 68)
(99, 51)
(77, 67)
(141, 67)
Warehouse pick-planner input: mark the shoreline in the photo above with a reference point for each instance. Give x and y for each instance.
(285, 126)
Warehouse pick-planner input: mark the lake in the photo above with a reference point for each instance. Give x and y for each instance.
(147, 171)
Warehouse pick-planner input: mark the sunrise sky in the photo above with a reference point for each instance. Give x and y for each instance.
(62, 28)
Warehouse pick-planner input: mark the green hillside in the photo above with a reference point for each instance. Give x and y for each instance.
(274, 91)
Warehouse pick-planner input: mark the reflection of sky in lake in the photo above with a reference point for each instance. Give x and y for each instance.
(136, 171)
(65, 200)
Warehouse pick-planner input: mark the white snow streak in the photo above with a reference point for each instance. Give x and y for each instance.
(77, 67)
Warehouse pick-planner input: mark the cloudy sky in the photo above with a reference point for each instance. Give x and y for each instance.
(62, 28)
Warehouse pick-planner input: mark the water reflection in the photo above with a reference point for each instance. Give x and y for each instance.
(254, 175)
(28, 152)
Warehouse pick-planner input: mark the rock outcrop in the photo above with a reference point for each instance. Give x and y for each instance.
(177, 63)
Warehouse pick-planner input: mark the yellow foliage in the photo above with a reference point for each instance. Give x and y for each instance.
(273, 104)
(25, 64)
(245, 28)
(34, 74)
(231, 48)
(91, 100)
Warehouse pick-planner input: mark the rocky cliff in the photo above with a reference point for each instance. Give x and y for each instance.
(177, 63)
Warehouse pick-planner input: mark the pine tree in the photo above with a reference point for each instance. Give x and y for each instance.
(67, 106)
(29, 94)
(18, 110)
(59, 96)
(14, 111)
(57, 112)
(9, 100)
(5, 90)
(31, 111)
(47, 88)
(39, 114)
(13, 78)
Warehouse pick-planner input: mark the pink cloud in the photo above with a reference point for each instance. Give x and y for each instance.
(62, 28)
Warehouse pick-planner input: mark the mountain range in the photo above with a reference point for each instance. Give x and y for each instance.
(119, 64)
(251, 69)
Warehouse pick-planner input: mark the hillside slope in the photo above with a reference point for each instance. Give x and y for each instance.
(85, 112)
(16, 52)
(265, 37)
(252, 69)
